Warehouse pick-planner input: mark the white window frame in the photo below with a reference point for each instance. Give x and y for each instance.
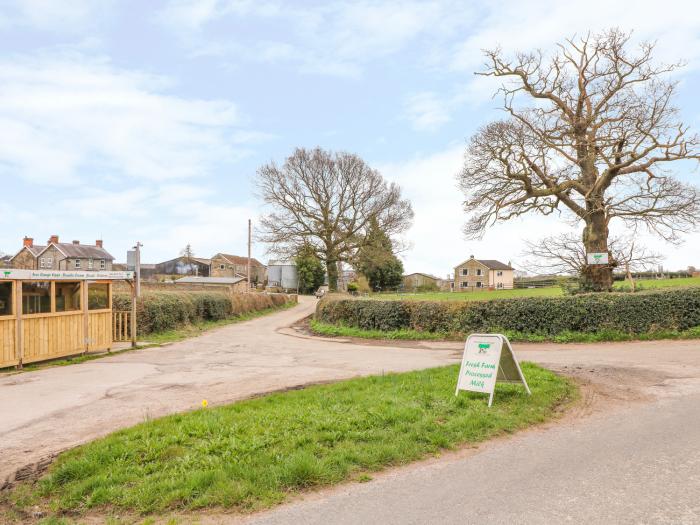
(77, 264)
(499, 273)
(499, 285)
(465, 272)
(479, 272)
(479, 284)
(42, 262)
(464, 284)
(91, 264)
(103, 264)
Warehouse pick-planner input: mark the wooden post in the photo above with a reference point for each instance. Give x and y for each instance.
(19, 353)
(133, 314)
(249, 243)
(86, 316)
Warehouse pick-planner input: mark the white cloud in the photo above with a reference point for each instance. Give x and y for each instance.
(65, 16)
(61, 116)
(427, 111)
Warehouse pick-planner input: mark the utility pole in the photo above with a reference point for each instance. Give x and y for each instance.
(138, 268)
(250, 240)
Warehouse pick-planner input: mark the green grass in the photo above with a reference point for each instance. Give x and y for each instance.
(551, 291)
(255, 453)
(604, 335)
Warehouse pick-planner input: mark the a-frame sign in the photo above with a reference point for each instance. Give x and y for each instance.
(484, 363)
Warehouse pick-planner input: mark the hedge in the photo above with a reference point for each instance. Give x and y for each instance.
(644, 312)
(160, 311)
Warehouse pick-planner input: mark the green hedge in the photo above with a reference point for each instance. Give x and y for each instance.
(161, 311)
(645, 312)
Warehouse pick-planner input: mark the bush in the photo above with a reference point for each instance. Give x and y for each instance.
(647, 312)
(161, 311)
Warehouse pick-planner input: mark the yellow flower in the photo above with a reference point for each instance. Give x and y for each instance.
(204, 403)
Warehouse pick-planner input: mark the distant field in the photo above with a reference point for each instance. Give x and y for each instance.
(552, 291)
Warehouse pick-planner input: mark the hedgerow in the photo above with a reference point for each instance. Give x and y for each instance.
(639, 313)
(160, 311)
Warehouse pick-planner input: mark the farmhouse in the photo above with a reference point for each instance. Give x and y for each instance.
(482, 273)
(225, 265)
(62, 256)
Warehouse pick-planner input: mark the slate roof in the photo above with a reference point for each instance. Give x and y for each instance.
(491, 264)
(237, 259)
(81, 251)
(34, 250)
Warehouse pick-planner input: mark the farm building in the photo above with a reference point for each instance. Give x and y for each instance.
(184, 266)
(62, 256)
(482, 273)
(233, 284)
(414, 281)
(225, 265)
(282, 274)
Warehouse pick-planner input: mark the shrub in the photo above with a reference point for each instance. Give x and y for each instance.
(677, 309)
(160, 311)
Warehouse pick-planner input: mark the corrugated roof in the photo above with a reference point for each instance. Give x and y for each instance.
(210, 280)
(82, 251)
(237, 259)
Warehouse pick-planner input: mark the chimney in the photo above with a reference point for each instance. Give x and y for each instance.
(28, 242)
(471, 256)
(98, 243)
(76, 242)
(53, 239)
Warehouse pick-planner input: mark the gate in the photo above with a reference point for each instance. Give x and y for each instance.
(121, 326)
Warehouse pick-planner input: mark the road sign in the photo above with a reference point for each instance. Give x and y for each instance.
(597, 258)
(484, 363)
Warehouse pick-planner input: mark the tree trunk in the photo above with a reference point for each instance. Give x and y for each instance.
(597, 277)
(332, 269)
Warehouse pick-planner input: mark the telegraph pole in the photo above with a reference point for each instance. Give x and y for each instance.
(138, 268)
(250, 240)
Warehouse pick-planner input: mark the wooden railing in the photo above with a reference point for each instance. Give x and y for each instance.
(121, 326)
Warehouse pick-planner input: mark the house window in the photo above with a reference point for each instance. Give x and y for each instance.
(478, 271)
(36, 297)
(222, 267)
(67, 296)
(103, 264)
(463, 284)
(42, 263)
(77, 264)
(5, 298)
(499, 285)
(478, 284)
(499, 274)
(465, 271)
(90, 264)
(98, 296)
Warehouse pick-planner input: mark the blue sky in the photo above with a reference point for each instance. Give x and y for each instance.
(132, 120)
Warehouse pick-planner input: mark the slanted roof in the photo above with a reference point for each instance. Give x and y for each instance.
(209, 280)
(237, 259)
(34, 250)
(80, 251)
(423, 274)
(491, 264)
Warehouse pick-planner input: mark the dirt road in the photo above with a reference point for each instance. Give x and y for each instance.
(654, 386)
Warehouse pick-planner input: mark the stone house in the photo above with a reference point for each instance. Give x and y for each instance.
(62, 256)
(490, 274)
(225, 265)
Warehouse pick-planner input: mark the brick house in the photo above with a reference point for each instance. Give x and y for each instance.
(490, 274)
(225, 265)
(62, 256)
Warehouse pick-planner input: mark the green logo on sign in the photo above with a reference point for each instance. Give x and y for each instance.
(598, 256)
(7, 273)
(483, 347)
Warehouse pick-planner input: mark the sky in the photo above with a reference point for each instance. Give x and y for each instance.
(146, 121)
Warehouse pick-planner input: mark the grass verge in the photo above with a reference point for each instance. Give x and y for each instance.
(255, 453)
(330, 330)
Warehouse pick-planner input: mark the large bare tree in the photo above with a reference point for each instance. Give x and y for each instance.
(597, 142)
(327, 200)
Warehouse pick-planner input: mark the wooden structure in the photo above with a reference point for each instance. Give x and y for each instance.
(45, 314)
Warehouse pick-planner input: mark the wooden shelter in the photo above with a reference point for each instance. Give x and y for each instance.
(45, 314)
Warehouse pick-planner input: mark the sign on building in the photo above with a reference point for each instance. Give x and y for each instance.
(485, 362)
(597, 258)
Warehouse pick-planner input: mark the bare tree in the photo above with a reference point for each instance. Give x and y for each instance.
(327, 200)
(188, 256)
(596, 144)
(566, 254)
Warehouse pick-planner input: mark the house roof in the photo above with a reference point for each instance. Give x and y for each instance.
(34, 250)
(237, 259)
(423, 274)
(491, 264)
(80, 251)
(200, 260)
(210, 280)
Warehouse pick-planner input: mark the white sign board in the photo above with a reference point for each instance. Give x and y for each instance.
(597, 258)
(67, 276)
(484, 362)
